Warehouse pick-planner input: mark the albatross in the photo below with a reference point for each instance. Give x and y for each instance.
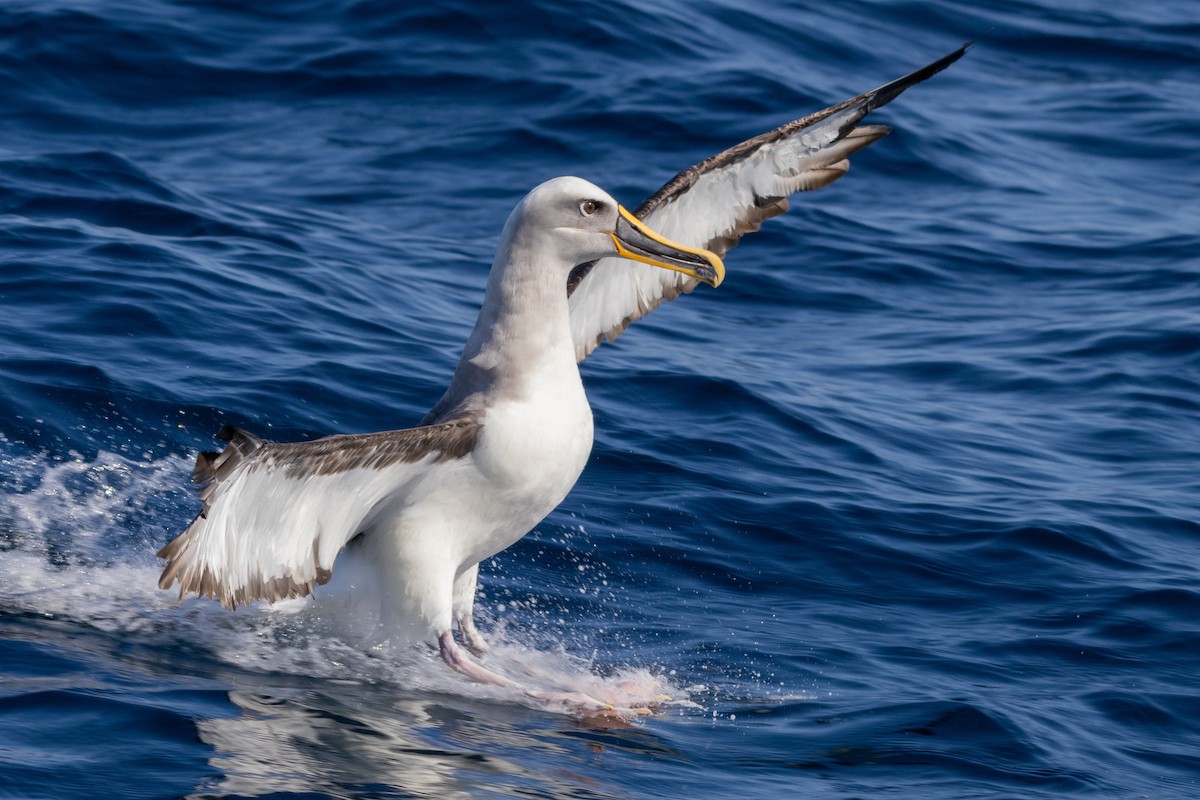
(512, 433)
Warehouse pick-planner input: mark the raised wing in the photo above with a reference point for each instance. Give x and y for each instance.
(275, 516)
(713, 204)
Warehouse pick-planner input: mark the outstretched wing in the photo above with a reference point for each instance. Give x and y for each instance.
(713, 204)
(275, 516)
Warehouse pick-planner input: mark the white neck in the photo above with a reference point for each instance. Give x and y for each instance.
(523, 327)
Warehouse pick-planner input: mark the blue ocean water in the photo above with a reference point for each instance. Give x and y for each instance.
(907, 507)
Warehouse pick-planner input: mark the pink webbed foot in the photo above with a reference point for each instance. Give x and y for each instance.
(457, 660)
(579, 703)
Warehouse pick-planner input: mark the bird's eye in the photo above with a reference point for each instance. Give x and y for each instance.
(588, 207)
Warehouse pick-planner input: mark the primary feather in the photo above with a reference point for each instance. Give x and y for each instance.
(716, 202)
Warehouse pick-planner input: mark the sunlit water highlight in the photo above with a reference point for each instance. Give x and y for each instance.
(906, 507)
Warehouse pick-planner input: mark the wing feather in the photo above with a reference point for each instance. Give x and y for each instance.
(275, 516)
(716, 202)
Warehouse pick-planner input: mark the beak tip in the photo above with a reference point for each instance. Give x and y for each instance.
(718, 271)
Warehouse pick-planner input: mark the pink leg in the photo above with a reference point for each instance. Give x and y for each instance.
(458, 661)
(472, 638)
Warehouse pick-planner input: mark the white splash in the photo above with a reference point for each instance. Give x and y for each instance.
(77, 543)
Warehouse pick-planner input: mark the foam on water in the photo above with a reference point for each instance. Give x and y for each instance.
(60, 563)
(913, 495)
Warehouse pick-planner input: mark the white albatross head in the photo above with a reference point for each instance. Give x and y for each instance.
(585, 223)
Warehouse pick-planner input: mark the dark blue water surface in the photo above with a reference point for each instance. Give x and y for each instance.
(906, 508)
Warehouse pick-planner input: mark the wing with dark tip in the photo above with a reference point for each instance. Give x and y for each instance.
(716, 202)
(275, 516)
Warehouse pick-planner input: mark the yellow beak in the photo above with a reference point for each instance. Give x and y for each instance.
(636, 241)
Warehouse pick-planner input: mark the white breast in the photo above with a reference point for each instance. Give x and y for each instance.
(530, 452)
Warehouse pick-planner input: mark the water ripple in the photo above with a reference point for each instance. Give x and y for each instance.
(908, 505)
